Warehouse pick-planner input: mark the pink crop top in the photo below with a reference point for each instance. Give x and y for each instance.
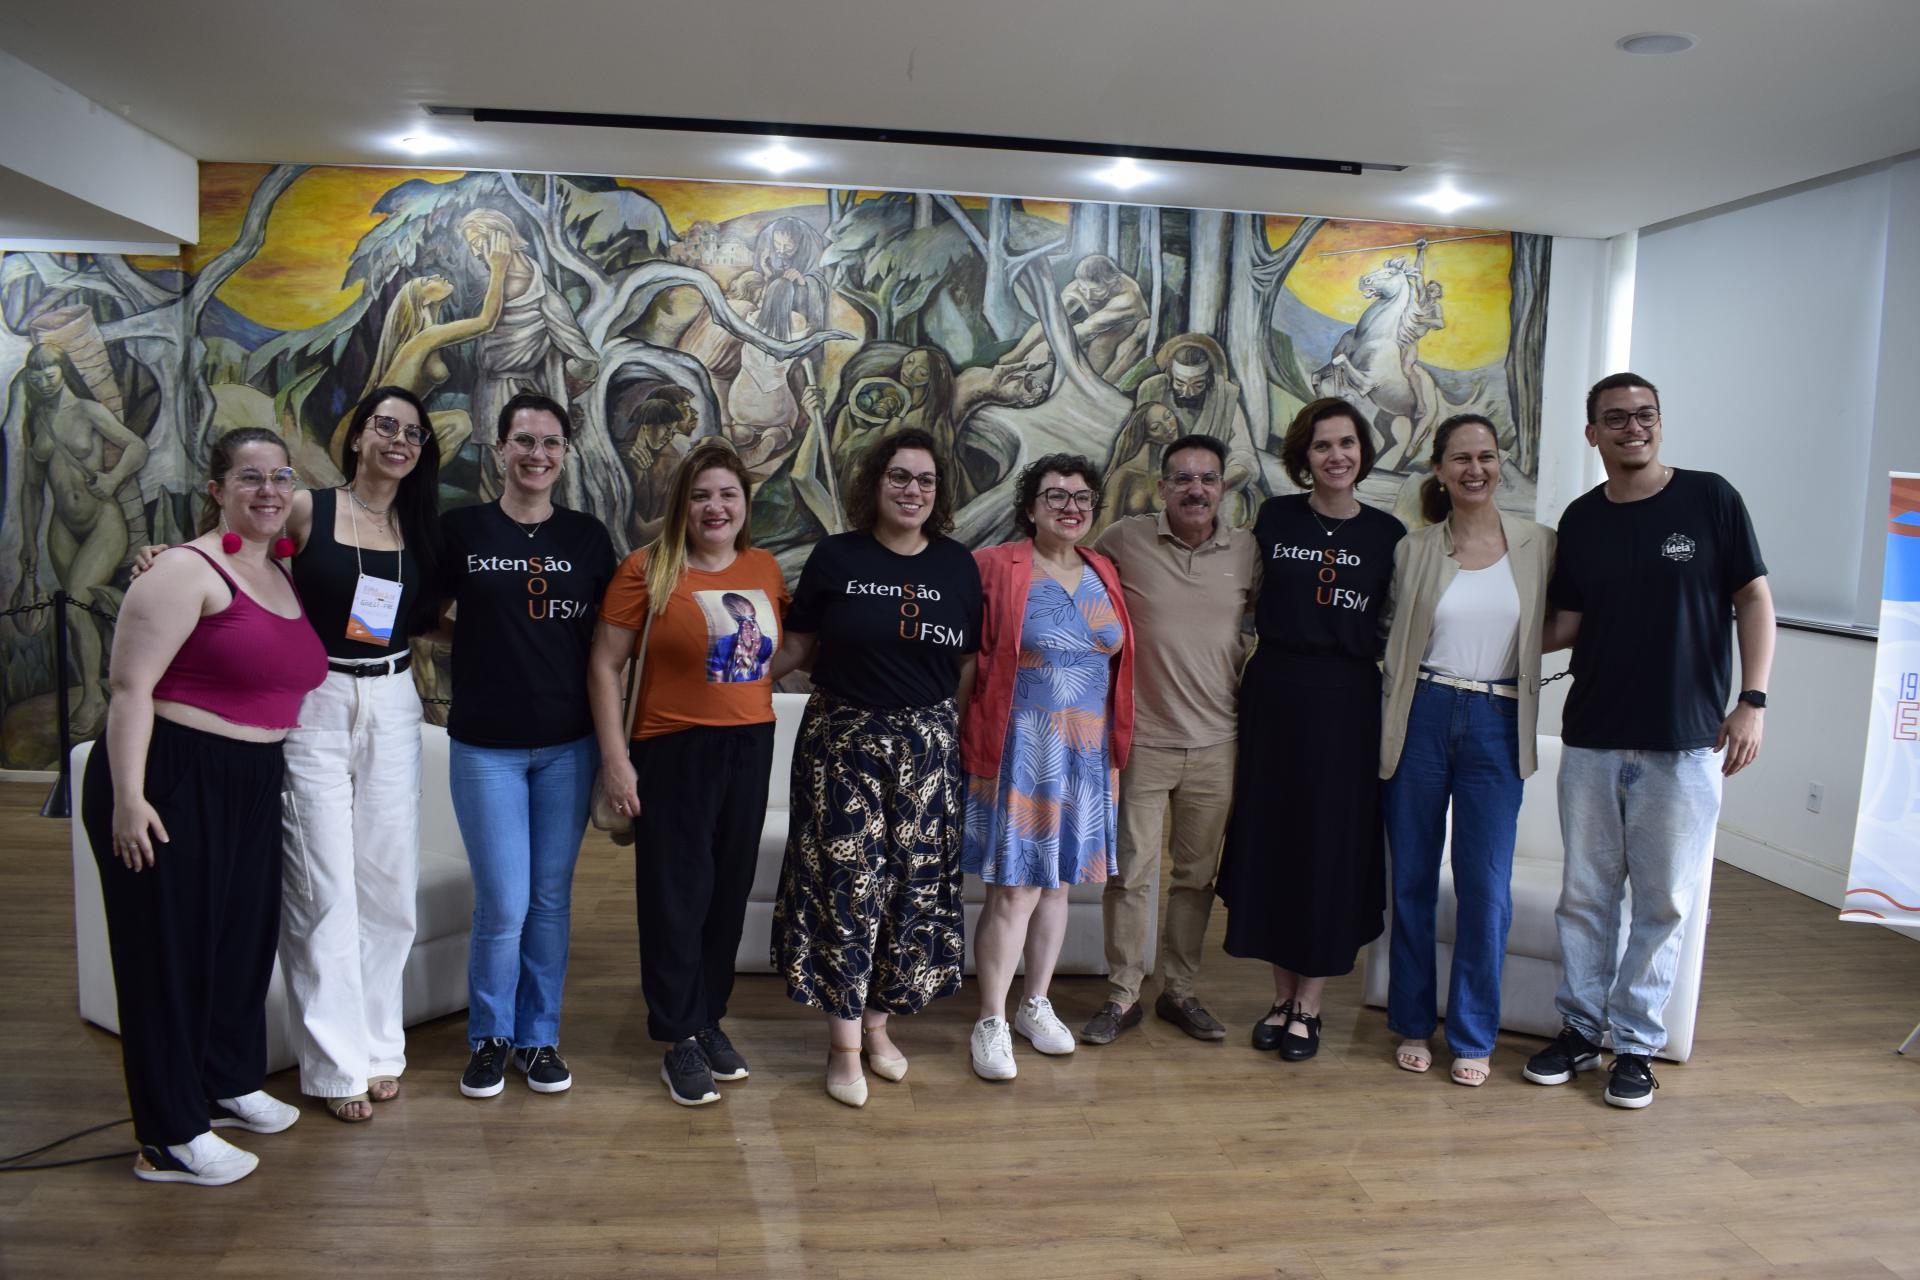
(246, 663)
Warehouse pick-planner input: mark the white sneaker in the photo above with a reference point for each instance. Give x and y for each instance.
(1042, 1027)
(208, 1161)
(257, 1112)
(993, 1050)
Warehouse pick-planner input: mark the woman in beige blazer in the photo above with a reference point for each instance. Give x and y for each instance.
(1462, 691)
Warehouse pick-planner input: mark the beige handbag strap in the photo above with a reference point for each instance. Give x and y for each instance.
(633, 677)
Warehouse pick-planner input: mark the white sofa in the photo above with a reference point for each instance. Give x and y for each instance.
(1083, 952)
(436, 974)
(1532, 975)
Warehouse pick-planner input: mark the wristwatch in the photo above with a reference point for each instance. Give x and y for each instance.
(1753, 698)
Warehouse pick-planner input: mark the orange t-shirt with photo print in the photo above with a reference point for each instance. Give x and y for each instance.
(709, 651)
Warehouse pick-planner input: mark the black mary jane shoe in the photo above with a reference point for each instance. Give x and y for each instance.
(1299, 1048)
(1266, 1035)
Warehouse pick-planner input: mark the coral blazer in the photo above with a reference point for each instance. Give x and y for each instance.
(1006, 574)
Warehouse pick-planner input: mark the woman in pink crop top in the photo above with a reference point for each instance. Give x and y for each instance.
(181, 801)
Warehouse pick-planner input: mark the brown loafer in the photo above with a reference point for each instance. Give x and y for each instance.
(1190, 1016)
(1107, 1024)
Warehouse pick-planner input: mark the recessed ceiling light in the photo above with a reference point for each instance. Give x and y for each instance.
(1444, 199)
(1124, 174)
(1657, 42)
(778, 157)
(421, 144)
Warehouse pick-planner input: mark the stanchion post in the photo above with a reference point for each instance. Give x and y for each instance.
(60, 800)
(1908, 1042)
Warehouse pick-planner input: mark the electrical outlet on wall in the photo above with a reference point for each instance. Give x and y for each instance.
(1816, 796)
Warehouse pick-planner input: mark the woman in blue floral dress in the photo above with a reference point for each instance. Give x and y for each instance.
(1042, 746)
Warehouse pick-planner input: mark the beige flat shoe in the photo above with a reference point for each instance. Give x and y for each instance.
(854, 1092)
(885, 1068)
(383, 1088)
(1471, 1072)
(1413, 1055)
(339, 1107)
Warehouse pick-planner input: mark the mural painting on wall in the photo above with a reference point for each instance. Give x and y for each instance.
(798, 323)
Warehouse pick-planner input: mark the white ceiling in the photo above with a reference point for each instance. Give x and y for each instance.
(1526, 105)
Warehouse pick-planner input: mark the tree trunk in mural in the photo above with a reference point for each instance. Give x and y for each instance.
(1153, 269)
(1087, 230)
(1244, 342)
(1206, 271)
(1276, 350)
(1002, 312)
(1526, 346)
(922, 210)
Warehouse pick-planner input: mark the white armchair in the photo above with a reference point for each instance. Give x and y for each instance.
(435, 979)
(1533, 973)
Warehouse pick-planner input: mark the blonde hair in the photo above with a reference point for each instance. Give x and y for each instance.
(667, 554)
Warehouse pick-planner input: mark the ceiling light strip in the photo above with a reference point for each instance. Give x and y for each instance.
(910, 137)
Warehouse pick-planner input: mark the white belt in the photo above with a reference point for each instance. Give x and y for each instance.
(1497, 688)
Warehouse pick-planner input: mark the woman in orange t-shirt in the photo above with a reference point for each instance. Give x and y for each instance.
(695, 775)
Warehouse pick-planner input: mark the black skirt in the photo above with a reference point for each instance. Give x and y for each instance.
(1304, 870)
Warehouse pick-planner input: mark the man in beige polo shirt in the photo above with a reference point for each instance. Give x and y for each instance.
(1188, 579)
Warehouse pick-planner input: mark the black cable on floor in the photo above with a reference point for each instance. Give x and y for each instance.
(8, 1165)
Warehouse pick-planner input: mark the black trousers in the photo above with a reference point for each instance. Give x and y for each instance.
(193, 935)
(703, 801)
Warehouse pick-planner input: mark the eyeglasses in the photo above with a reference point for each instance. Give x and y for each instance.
(1180, 479)
(278, 478)
(526, 443)
(1617, 419)
(900, 478)
(390, 429)
(1061, 499)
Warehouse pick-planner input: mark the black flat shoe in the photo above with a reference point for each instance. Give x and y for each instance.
(1299, 1048)
(1266, 1035)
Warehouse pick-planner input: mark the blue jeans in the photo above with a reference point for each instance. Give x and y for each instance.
(1645, 817)
(1462, 747)
(522, 812)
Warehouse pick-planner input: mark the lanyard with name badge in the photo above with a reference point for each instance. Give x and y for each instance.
(376, 601)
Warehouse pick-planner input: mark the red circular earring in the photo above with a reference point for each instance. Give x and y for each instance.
(283, 548)
(230, 543)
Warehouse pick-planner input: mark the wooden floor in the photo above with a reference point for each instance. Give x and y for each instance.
(1789, 1146)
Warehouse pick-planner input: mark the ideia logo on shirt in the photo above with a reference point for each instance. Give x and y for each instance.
(1678, 546)
(910, 595)
(1331, 560)
(540, 604)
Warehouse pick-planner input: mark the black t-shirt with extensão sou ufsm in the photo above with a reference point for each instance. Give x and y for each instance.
(1324, 583)
(892, 628)
(1653, 583)
(523, 624)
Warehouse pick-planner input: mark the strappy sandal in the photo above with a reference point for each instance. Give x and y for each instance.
(1471, 1072)
(1299, 1048)
(1413, 1055)
(339, 1107)
(375, 1093)
(1266, 1035)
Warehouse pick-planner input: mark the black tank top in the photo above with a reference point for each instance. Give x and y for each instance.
(326, 574)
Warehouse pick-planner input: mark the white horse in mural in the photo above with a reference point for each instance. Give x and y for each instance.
(1377, 365)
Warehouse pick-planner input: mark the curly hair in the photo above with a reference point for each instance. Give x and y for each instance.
(862, 496)
(1293, 452)
(1027, 491)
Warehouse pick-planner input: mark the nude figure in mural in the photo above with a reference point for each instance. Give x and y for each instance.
(1109, 315)
(716, 349)
(536, 345)
(651, 456)
(413, 335)
(763, 408)
(1133, 463)
(66, 442)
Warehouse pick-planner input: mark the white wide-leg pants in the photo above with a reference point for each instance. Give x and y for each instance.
(351, 817)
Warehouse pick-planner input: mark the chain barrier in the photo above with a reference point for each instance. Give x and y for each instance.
(33, 606)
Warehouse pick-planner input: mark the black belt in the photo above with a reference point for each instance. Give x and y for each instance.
(384, 667)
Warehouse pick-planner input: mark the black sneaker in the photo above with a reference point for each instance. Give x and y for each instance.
(1631, 1083)
(1569, 1054)
(722, 1058)
(486, 1073)
(687, 1078)
(545, 1070)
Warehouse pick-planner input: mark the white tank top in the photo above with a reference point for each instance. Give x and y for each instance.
(1476, 626)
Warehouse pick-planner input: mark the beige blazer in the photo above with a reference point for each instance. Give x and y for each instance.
(1423, 565)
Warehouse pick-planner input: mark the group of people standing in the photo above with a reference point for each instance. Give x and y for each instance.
(1030, 713)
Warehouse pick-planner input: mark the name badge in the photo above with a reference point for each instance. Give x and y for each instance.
(376, 603)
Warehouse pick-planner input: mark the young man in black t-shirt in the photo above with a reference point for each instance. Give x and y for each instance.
(1652, 567)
